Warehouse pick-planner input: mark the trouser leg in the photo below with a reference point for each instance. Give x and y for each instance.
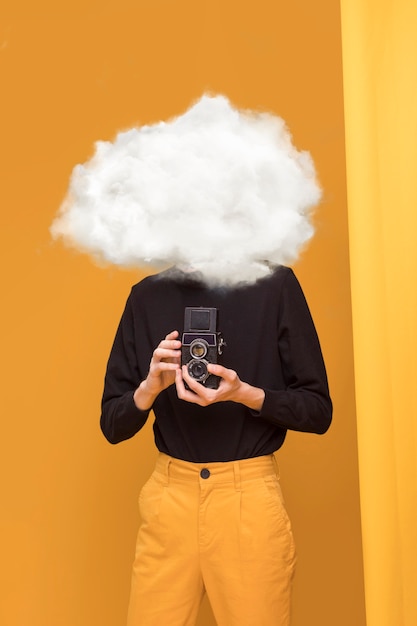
(248, 554)
(167, 585)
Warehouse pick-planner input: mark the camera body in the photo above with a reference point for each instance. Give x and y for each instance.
(202, 344)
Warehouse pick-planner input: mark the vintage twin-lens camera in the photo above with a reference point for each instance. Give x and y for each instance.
(201, 344)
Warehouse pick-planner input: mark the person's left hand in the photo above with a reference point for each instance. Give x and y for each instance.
(231, 388)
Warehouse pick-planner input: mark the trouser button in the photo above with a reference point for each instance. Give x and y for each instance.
(205, 473)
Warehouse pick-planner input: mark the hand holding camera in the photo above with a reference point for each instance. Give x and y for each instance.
(164, 363)
(193, 365)
(231, 389)
(202, 380)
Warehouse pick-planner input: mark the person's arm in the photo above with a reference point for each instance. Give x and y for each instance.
(129, 394)
(162, 368)
(304, 404)
(120, 417)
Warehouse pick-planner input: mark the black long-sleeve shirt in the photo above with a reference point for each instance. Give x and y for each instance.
(271, 343)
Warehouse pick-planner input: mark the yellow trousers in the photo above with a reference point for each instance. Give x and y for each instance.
(215, 528)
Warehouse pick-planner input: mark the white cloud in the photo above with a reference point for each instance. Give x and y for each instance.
(218, 189)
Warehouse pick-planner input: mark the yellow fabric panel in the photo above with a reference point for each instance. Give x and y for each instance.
(380, 91)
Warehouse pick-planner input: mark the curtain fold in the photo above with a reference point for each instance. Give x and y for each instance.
(379, 40)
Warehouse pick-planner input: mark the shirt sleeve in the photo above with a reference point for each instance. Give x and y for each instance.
(120, 417)
(305, 404)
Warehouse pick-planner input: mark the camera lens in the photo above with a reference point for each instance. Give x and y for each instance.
(198, 349)
(198, 370)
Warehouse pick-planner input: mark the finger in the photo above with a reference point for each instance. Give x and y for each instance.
(172, 335)
(165, 353)
(218, 370)
(163, 366)
(191, 382)
(171, 344)
(206, 394)
(179, 383)
(182, 376)
(224, 373)
(182, 392)
(187, 394)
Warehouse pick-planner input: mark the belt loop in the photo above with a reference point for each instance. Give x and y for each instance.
(276, 466)
(236, 468)
(166, 463)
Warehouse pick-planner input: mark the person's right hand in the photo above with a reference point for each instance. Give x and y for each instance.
(165, 361)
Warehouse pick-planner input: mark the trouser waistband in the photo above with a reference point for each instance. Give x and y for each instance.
(218, 472)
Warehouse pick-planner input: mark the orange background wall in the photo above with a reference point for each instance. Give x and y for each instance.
(73, 73)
